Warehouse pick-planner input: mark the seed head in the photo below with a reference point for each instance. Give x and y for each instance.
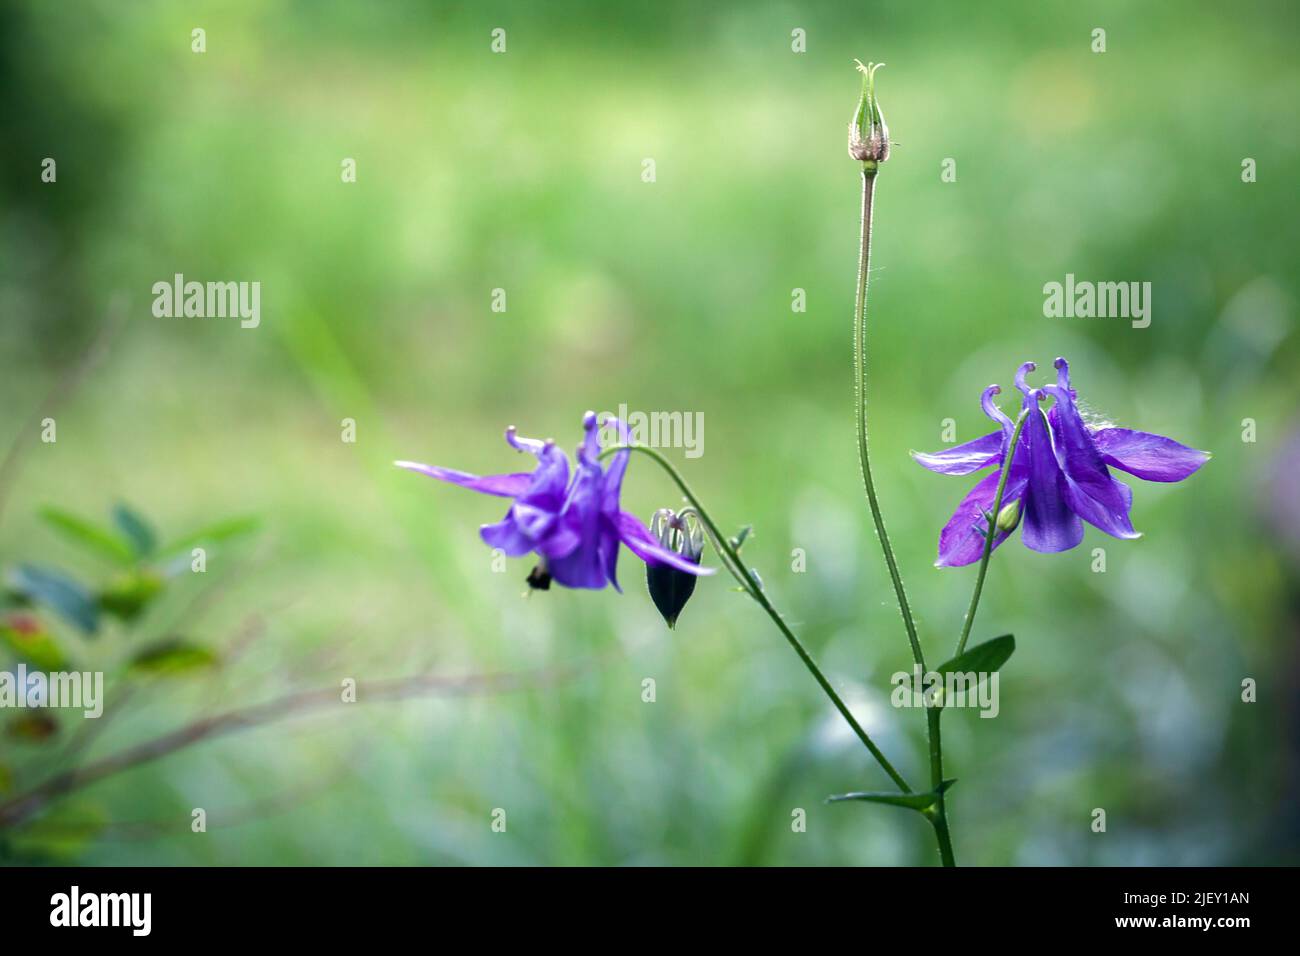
(868, 134)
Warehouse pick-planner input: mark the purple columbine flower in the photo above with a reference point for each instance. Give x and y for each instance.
(1059, 476)
(573, 525)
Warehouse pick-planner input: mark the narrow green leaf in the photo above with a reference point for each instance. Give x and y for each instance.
(57, 591)
(912, 801)
(103, 541)
(173, 656)
(982, 658)
(136, 530)
(213, 534)
(128, 595)
(60, 835)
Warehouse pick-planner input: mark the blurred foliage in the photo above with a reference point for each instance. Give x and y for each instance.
(50, 621)
(522, 171)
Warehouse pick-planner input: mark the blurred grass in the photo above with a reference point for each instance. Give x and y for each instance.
(522, 171)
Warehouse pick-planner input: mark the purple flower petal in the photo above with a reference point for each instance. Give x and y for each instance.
(1091, 491)
(617, 469)
(1050, 524)
(1114, 521)
(578, 570)
(964, 459)
(642, 543)
(504, 486)
(506, 535)
(609, 551)
(550, 479)
(560, 543)
(1063, 379)
(996, 414)
(1148, 456)
(609, 503)
(1021, 372)
(534, 522)
(582, 568)
(589, 450)
(961, 541)
(552, 474)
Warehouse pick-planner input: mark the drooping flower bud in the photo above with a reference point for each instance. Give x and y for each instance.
(868, 134)
(1009, 517)
(670, 588)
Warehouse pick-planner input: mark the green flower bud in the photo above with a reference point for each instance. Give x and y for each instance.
(868, 134)
(1009, 517)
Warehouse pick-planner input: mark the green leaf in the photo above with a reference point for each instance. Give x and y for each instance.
(982, 658)
(25, 636)
(129, 594)
(102, 541)
(213, 534)
(136, 529)
(60, 593)
(912, 801)
(62, 834)
(173, 656)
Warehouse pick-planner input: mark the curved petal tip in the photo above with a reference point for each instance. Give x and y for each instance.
(1021, 372)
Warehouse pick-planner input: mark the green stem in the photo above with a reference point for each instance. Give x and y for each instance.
(937, 813)
(989, 536)
(939, 818)
(860, 384)
(731, 559)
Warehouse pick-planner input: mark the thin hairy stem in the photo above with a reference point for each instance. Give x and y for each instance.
(860, 382)
(731, 560)
(937, 813)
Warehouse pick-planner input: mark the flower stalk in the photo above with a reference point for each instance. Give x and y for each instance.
(731, 560)
(869, 144)
(995, 525)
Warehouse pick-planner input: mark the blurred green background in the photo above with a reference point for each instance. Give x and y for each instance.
(523, 170)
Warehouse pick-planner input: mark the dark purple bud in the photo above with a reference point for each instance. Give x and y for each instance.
(669, 587)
